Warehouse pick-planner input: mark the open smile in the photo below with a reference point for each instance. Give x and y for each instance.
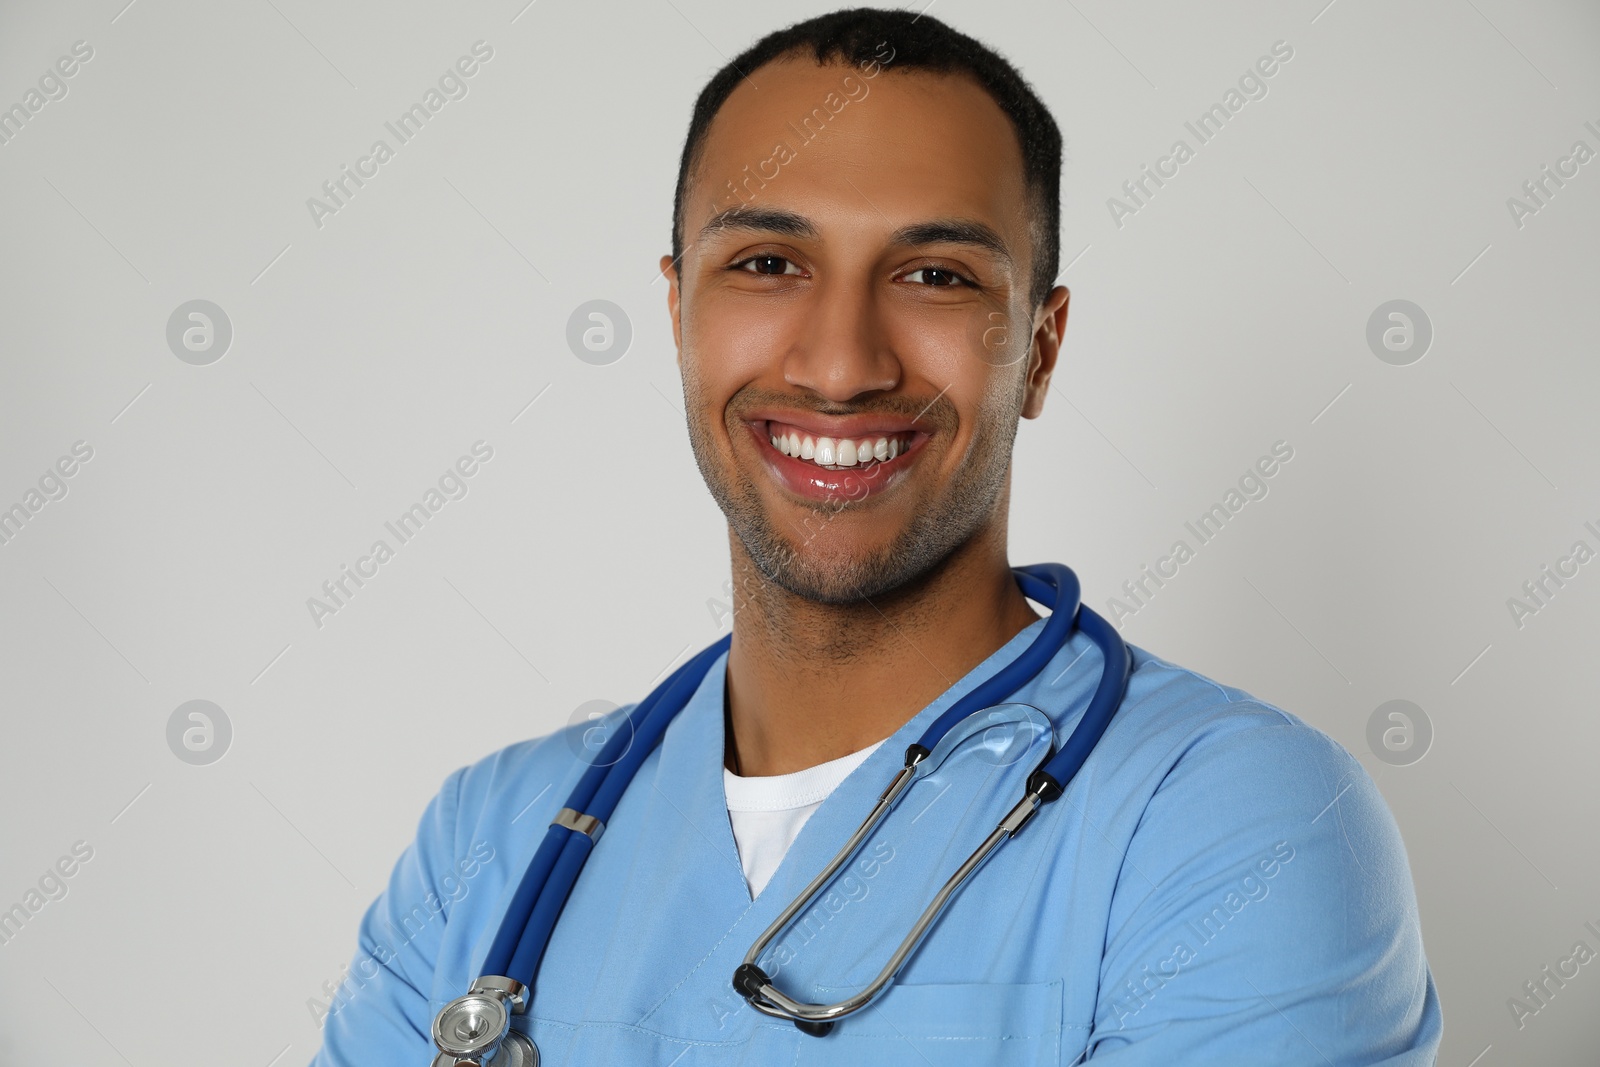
(844, 460)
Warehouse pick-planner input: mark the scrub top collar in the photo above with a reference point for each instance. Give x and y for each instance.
(690, 778)
(686, 772)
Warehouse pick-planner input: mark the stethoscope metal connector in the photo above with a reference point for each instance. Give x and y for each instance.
(475, 1030)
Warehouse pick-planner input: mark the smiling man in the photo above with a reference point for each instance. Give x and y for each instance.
(863, 302)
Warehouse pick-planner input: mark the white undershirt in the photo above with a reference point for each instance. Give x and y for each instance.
(767, 813)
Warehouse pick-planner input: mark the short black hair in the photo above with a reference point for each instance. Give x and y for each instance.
(919, 42)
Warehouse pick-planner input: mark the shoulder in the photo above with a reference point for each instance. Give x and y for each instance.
(1210, 782)
(1225, 785)
(538, 772)
(1178, 729)
(1254, 848)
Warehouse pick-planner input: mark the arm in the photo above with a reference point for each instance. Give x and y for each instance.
(1257, 920)
(382, 1014)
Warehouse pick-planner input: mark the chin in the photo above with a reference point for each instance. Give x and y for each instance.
(840, 577)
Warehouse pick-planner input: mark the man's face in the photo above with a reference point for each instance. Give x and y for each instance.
(860, 296)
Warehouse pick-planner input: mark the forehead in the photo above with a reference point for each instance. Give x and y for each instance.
(830, 142)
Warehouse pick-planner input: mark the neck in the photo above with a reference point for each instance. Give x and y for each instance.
(809, 682)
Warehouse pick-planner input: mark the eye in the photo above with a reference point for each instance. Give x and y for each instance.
(938, 277)
(767, 265)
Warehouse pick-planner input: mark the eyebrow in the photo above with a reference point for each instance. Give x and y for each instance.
(760, 220)
(792, 224)
(954, 232)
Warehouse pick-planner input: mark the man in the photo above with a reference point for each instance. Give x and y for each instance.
(862, 298)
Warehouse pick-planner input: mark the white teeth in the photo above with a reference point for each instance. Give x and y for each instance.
(837, 452)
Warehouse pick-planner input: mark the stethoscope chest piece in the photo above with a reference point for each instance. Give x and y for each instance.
(475, 1030)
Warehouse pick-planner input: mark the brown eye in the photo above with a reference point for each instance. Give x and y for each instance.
(937, 277)
(767, 265)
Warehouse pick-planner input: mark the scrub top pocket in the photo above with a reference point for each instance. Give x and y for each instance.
(970, 1024)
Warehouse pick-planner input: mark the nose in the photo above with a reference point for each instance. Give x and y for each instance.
(843, 349)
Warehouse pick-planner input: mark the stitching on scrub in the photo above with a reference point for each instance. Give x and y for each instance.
(701, 962)
(656, 788)
(948, 698)
(977, 1037)
(698, 964)
(1046, 854)
(1204, 723)
(1204, 717)
(673, 1038)
(1105, 935)
(897, 1036)
(1173, 668)
(737, 923)
(1188, 742)
(633, 864)
(1174, 756)
(1171, 759)
(684, 815)
(875, 1010)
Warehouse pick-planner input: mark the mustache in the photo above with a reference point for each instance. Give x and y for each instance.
(936, 410)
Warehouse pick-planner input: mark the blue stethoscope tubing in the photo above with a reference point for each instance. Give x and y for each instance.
(518, 948)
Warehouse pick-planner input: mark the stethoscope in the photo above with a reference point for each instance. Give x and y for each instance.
(475, 1030)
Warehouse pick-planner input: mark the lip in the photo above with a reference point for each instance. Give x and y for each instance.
(819, 425)
(849, 485)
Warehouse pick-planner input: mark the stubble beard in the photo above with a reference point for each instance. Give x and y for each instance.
(800, 564)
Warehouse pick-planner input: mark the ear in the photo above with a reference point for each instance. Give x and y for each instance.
(669, 271)
(1049, 323)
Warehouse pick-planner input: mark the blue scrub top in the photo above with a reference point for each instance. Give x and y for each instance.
(1221, 883)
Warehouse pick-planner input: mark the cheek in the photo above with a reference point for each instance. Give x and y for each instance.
(987, 401)
(941, 351)
(958, 343)
(983, 418)
(729, 342)
(745, 337)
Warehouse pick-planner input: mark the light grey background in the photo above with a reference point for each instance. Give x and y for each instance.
(431, 311)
